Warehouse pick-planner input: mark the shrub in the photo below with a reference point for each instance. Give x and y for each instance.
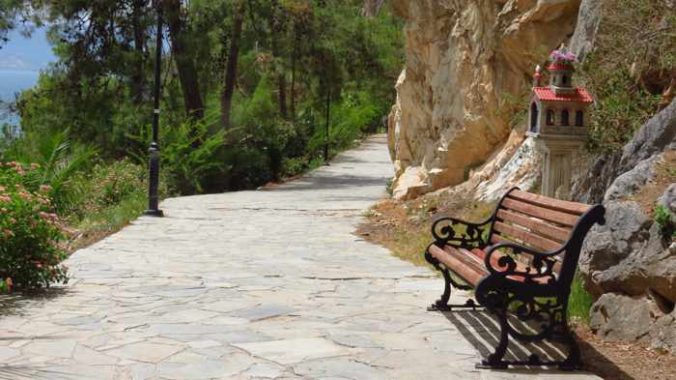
(191, 156)
(30, 254)
(580, 301)
(629, 68)
(105, 186)
(665, 219)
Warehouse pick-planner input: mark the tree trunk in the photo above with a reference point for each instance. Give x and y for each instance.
(293, 82)
(138, 77)
(281, 85)
(231, 66)
(277, 28)
(185, 65)
(372, 7)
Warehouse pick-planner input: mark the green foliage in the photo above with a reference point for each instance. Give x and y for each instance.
(629, 69)
(580, 301)
(621, 108)
(666, 220)
(58, 159)
(86, 123)
(107, 197)
(104, 186)
(189, 166)
(30, 234)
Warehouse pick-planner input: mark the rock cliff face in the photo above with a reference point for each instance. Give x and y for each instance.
(630, 263)
(467, 61)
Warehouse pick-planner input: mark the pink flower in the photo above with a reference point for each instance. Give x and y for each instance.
(563, 55)
(45, 188)
(50, 217)
(5, 198)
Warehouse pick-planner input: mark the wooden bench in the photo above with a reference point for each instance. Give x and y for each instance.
(520, 263)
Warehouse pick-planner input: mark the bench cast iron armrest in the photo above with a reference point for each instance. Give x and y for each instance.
(501, 260)
(446, 232)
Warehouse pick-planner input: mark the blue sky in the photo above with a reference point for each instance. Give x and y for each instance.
(26, 54)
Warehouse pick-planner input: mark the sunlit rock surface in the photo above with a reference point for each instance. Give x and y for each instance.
(467, 62)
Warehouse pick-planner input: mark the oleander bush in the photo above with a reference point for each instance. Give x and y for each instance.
(105, 186)
(30, 231)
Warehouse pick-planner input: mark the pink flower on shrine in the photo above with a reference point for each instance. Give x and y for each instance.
(563, 55)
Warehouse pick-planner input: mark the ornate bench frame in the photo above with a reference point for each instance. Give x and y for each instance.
(512, 278)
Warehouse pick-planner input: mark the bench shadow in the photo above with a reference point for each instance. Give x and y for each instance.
(482, 331)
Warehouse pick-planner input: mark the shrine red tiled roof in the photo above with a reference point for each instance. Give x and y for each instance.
(546, 94)
(560, 66)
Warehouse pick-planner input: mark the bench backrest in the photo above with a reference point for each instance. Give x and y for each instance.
(545, 224)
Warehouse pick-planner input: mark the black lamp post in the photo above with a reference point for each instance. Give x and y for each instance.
(154, 149)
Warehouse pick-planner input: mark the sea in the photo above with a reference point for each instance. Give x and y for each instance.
(12, 82)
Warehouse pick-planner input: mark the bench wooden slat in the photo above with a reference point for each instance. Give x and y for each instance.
(550, 203)
(540, 212)
(459, 264)
(520, 266)
(541, 227)
(526, 237)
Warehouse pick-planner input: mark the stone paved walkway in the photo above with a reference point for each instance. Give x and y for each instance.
(247, 285)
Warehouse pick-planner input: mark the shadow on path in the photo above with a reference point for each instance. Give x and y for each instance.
(314, 183)
(481, 329)
(12, 304)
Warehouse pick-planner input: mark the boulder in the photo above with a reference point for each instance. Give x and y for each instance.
(630, 182)
(629, 265)
(620, 317)
(626, 230)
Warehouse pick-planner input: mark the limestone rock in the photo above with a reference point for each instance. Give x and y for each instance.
(668, 199)
(631, 257)
(588, 21)
(655, 136)
(411, 183)
(619, 317)
(606, 246)
(630, 182)
(511, 167)
(464, 59)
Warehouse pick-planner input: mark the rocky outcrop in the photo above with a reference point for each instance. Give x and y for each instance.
(466, 63)
(629, 264)
(657, 135)
(588, 21)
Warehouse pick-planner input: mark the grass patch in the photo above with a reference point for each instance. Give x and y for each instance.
(95, 226)
(579, 302)
(404, 226)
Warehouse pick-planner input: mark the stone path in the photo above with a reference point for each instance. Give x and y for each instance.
(247, 285)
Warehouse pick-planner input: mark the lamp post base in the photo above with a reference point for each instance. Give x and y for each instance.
(155, 213)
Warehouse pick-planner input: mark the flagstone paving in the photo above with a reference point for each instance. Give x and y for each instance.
(246, 285)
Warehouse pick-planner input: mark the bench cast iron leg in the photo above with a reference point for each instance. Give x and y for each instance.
(495, 360)
(573, 361)
(442, 303)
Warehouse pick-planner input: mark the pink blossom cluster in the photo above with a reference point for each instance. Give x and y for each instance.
(563, 55)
